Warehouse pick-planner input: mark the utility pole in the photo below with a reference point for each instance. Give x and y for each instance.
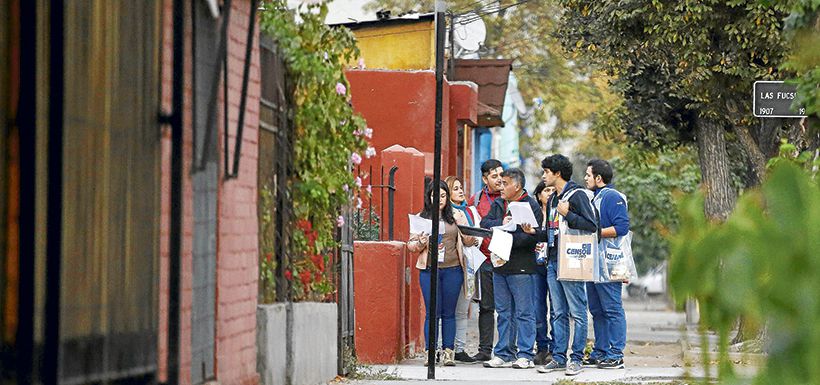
(432, 253)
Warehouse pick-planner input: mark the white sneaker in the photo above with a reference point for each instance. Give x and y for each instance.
(449, 357)
(523, 363)
(497, 362)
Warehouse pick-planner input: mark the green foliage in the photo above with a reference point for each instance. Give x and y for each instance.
(328, 134)
(803, 27)
(652, 181)
(809, 161)
(674, 61)
(267, 247)
(652, 188)
(762, 264)
(366, 225)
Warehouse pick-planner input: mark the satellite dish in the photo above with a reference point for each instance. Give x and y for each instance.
(469, 33)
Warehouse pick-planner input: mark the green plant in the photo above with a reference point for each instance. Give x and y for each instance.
(761, 264)
(267, 263)
(366, 225)
(328, 137)
(358, 371)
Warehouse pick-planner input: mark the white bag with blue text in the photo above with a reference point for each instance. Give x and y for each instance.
(614, 261)
(576, 256)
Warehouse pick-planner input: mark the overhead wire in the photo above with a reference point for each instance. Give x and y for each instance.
(477, 13)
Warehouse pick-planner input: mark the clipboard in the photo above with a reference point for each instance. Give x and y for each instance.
(475, 231)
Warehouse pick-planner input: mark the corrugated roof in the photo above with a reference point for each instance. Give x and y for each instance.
(491, 75)
(373, 20)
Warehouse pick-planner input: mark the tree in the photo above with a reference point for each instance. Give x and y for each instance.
(685, 69)
(652, 181)
(761, 265)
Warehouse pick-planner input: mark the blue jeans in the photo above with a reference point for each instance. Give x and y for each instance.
(516, 315)
(569, 299)
(449, 284)
(543, 337)
(608, 320)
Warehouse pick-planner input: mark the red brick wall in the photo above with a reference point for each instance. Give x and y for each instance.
(237, 244)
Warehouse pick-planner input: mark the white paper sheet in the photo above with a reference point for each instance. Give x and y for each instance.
(419, 225)
(522, 213)
(501, 244)
(510, 226)
(474, 258)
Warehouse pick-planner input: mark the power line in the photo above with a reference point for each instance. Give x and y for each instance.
(477, 13)
(473, 7)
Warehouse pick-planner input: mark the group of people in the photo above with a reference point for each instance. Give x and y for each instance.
(533, 306)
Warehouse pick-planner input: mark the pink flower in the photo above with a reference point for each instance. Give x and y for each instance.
(361, 63)
(370, 152)
(369, 189)
(340, 221)
(356, 158)
(340, 88)
(368, 132)
(358, 182)
(346, 188)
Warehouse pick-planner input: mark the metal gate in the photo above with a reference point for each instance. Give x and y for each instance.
(204, 72)
(344, 299)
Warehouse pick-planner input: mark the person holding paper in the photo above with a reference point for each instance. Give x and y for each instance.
(605, 305)
(483, 200)
(451, 266)
(514, 281)
(459, 204)
(570, 203)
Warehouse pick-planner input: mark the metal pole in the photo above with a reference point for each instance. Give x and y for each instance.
(451, 64)
(175, 236)
(54, 216)
(432, 254)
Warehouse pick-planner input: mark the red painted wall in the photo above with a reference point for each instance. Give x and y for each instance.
(378, 280)
(400, 106)
(237, 228)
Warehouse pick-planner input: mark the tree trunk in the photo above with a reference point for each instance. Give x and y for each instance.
(714, 168)
(754, 155)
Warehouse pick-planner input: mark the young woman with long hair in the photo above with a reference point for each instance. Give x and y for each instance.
(458, 201)
(451, 266)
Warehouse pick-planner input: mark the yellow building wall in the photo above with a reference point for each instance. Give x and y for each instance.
(409, 46)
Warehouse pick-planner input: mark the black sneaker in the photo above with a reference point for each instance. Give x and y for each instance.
(464, 357)
(482, 357)
(611, 364)
(542, 357)
(551, 367)
(590, 362)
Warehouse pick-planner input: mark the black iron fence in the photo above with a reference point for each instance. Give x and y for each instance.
(373, 219)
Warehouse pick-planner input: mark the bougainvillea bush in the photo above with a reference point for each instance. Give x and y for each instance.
(329, 140)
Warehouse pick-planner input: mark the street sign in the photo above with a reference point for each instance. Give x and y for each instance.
(773, 99)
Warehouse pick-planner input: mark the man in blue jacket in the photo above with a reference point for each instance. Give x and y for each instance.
(514, 281)
(570, 203)
(605, 305)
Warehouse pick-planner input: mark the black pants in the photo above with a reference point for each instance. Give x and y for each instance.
(486, 309)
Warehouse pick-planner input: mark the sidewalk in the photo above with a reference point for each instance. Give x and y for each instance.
(477, 374)
(653, 355)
